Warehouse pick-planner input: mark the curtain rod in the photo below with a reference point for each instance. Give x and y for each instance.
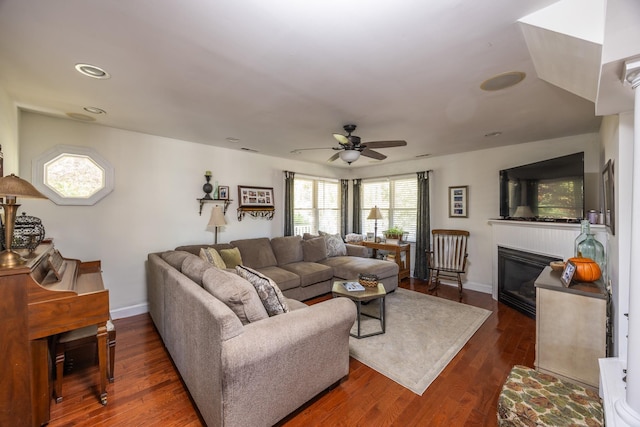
(374, 177)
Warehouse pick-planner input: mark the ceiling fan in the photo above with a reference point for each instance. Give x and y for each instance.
(351, 147)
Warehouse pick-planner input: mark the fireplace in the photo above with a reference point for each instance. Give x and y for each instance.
(517, 272)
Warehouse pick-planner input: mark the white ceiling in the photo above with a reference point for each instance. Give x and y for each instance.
(281, 75)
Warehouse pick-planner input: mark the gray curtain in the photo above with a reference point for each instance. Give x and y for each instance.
(357, 218)
(423, 227)
(344, 199)
(288, 202)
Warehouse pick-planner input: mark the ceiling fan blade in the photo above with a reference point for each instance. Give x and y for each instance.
(332, 158)
(341, 139)
(385, 144)
(373, 154)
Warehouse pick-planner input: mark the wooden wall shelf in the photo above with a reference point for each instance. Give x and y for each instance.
(266, 212)
(226, 203)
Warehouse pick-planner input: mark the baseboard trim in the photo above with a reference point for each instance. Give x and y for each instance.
(479, 287)
(132, 310)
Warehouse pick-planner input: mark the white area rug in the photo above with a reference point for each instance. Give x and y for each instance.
(423, 334)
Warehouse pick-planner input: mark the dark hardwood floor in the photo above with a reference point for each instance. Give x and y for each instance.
(148, 391)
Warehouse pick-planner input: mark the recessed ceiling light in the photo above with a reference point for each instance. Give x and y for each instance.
(92, 71)
(82, 117)
(232, 139)
(492, 134)
(94, 110)
(503, 81)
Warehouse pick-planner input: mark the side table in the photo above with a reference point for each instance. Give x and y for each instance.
(369, 294)
(398, 250)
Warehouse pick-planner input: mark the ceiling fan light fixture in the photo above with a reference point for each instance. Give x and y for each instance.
(350, 156)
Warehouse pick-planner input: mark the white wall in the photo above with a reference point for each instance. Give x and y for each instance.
(8, 133)
(617, 145)
(153, 206)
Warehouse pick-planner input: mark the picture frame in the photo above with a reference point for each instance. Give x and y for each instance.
(609, 207)
(459, 201)
(223, 192)
(567, 274)
(255, 197)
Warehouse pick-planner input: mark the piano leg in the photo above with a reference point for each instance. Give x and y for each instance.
(102, 361)
(40, 381)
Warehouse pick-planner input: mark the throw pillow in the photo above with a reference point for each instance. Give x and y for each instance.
(314, 250)
(212, 256)
(231, 257)
(268, 291)
(309, 236)
(236, 293)
(335, 245)
(194, 267)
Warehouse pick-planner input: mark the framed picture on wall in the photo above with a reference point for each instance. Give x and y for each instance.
(256, 197)
(459, 201)
(609, 207)
(223, 192)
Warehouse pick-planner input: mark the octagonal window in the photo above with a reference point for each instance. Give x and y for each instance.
(73, 175)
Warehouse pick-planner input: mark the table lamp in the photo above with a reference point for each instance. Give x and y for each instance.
(12, 187)
(216, 220)
(375, 214)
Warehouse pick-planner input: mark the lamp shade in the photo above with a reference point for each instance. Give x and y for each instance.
(217, 218)
(523, 212)
(13, 186)
(375, 213)
(350, 156)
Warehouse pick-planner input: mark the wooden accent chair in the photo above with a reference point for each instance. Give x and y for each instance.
(79, 338)
(447, 257)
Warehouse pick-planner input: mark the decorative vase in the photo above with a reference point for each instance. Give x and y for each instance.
(207, 188)
(589, 247)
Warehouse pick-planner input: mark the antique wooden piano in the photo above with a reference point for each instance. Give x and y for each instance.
(46, 296)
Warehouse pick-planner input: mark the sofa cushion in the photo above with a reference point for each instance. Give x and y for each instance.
(256, 253)
(348, 267)
(335, 245)
(309, 236)
(287, 249)
(174, 258)
(314, 250)
(231, 257)
(283, 278)
(194, 267)
(212, 257)
(237, 294)
(272, 299)
(310, 272)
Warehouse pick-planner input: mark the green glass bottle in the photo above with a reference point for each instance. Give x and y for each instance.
(585, 229)
(591, 248)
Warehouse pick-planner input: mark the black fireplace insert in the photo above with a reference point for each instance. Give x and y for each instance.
(517, 272)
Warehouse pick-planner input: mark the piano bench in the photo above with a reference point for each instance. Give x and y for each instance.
(79, 338)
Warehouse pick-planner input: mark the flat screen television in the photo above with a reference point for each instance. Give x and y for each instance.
(549, 190)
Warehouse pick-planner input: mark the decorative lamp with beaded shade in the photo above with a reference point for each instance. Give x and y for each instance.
(12, 187)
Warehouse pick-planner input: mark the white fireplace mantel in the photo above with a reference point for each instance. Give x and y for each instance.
(555, 239)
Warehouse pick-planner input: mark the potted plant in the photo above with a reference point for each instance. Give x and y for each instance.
(394, 233)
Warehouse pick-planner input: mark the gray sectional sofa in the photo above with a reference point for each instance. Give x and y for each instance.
(306, 268)
(242, 367)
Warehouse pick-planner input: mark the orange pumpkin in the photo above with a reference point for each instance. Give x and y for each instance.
(587, 270)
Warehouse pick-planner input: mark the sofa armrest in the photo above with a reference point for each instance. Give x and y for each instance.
(278, 364)
(357, 250)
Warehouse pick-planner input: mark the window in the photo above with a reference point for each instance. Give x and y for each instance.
(73, 175)
(397, 198)
(316, 206)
